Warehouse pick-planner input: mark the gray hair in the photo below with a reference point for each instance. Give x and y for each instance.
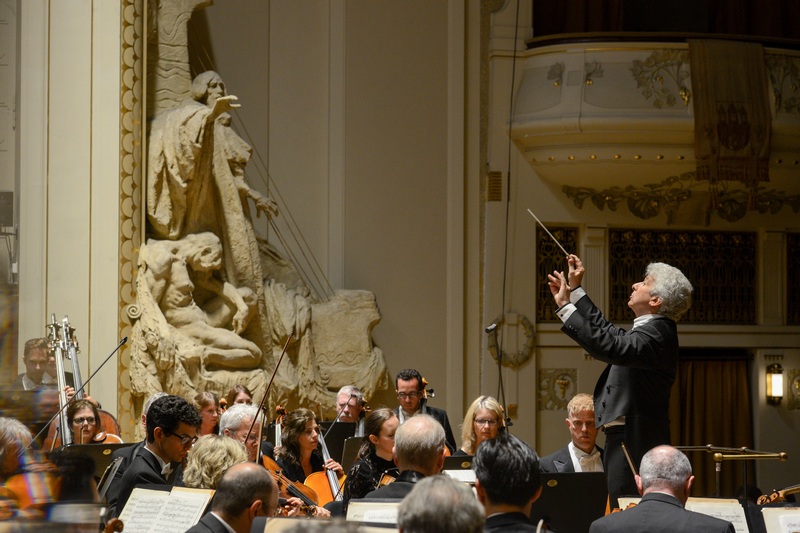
(672, 287)
(15, 437)
(350, 390)
(665, 467)
(419, 443)
(440, 504)
(211, 457)
(235, 415)
(153, 397)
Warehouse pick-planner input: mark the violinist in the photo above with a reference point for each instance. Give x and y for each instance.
(84, 422)
(413, 400)
(207, 404)
(26, 486)
(298, 456)
(375, 456)
(236, 422)
(210, 458)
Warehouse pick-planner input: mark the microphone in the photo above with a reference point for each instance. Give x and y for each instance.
(491, 328)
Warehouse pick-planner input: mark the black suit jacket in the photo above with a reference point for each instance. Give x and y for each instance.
(636, 384)
(509, 522)
(441, 416)
(208, 524)
(144, 469)
(559, 461)
(399, 488)
(659, 513)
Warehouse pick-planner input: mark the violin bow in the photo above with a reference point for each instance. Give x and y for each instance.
(264, 399)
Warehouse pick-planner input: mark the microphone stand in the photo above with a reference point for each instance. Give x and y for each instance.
(76, 395)
(501, 391)
(338, 415)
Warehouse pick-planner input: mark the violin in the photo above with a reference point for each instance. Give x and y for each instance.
(291, 489)
(778, 495)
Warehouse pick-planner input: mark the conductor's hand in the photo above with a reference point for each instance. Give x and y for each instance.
(559, 288)
(576, 271)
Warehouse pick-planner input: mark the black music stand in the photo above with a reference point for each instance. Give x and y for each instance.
(100, 453)
(571, 501)
(335, 435)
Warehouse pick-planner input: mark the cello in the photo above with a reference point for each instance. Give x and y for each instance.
(327, 484)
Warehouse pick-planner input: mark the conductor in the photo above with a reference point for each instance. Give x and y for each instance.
(631, 397)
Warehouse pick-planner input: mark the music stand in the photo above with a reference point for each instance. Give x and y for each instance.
(335, 435)
(571, 501)
(101, 454)
(350, 452)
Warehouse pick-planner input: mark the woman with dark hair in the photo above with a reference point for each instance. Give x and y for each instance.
(375, 456)
(238, 394)
(298, 455)
(207, 404)
(84, 422)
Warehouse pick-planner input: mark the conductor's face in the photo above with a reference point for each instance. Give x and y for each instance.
(409, 394)
(640, 301)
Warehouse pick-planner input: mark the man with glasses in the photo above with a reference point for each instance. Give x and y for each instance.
(172, 426)
(411, 396)
(235, 423)
(581, 454)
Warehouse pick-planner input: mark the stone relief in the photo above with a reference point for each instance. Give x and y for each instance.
(215, 305)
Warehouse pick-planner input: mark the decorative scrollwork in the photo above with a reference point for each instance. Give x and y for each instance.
(521, 356)
(556, 387)
(593, 70)
(784, 74)
(556, 73)
(650, 75)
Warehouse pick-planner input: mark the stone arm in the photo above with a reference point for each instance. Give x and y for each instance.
(230, 294)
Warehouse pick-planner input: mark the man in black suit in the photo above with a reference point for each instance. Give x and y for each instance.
(507, 482)
(418, 453)
(245, 491)
(172, 425)
(411, 395)
(631, 398)
(581, 454)
(129, 452)
(664, 480)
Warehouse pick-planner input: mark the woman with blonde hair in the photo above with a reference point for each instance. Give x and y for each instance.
(210, 458)
(207, 404)
(483, 420)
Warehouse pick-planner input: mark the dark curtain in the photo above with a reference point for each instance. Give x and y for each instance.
(576, 16)
(710, 404)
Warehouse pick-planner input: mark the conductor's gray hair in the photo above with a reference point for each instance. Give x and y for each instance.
(440, 504)
(672, 287)
(419, 443)
(236, 414)
(664, 467)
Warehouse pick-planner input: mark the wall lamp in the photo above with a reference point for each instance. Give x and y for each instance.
(774, 384)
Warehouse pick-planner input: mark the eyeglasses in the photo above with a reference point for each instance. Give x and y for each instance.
(491, 422)
(412, 395)
(84, 420)
(185, 439)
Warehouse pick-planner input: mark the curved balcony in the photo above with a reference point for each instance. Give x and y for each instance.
(611, 119)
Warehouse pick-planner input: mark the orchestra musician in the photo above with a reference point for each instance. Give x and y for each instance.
(581, 454)
(484, 420)
(298, 455)
(350, 407)
(238, 394)
(410, 386)
(236, 422)
(207, 404)
(210, 457)
(84, 422)
(375, 457)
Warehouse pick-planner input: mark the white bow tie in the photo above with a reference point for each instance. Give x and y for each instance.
(590, 458)
(167, 470)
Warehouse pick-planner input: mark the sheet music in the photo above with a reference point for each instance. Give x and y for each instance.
(158, 511)
(781, 519)
(728, 510)
(464, 476)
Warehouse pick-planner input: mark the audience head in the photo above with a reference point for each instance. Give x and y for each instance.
(484, 419)
(245, 491)
(440, 504)
(211, 457)
(580, 422)
(671, 287)
(236, 422)
(665, 469)
(507, 472)
(84, 421)
(15, 437)
(380, 427)
(238, 394)
(410, 389)
(172, 425)
(349, 401)
(419, 445)
(36, 355)
(207, 404)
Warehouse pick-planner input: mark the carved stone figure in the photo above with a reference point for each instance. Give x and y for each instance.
(215, 305)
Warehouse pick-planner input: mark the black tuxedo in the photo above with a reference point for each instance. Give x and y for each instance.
(441, 416)
(659, 513)
(208, 524)
(560, 461)
(636, 384)
(512, 522)
(144, 469)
